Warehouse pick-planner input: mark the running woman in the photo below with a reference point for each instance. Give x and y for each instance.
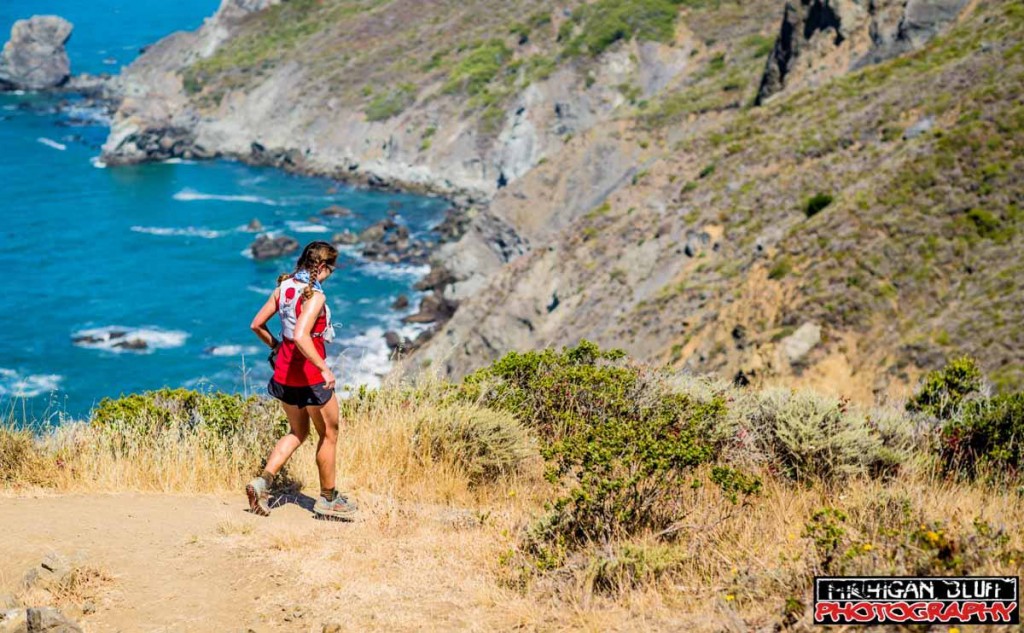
(302, 380)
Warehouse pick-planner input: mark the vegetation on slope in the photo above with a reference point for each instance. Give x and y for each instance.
(909, 263)
(709, 496)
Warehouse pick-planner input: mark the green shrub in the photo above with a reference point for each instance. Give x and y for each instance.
(607, 21)
(986, 223)
(943, 390)
(826, 530)
(392, 104)
(478, 68)
(615, 433)
(485, 444)
(816, 203)
(147, 413)
(986, 437)
(782, 267)
(890, 535)
(807, 436)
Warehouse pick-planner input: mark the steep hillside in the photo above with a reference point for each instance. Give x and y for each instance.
(456, 97)
(813, 192)
(848, 234)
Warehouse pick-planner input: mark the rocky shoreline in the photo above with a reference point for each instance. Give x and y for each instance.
(35, 60)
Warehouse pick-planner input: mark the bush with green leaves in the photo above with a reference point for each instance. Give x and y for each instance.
(485, 444)
(392, 103)
(614, 433)
(811, 437)
(476, 69)
(148, 412)
(986, 438)
(605, 22)
(891, 536)
(943, 390)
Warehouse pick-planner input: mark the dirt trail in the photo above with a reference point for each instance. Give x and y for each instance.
(202, 563)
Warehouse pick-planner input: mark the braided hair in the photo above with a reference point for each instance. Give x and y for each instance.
(315, 255)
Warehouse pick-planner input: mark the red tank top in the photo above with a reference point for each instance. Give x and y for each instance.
(292, 367)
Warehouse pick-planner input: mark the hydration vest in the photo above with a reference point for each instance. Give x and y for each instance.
(287, 304)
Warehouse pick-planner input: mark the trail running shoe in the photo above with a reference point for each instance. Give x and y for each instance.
(259, 497)
(340, 508)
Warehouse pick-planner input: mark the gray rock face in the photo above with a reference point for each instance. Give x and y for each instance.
(39, 620)
(798, 344)
(920, 21)
(34, 58)
(848, 34)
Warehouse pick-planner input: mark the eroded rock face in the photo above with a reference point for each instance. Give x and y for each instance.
(819, 39)
(35, 58)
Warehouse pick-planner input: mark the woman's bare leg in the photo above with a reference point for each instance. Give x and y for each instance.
(325, 419)
(298, 421)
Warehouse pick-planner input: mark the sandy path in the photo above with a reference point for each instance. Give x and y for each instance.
(201, 563)
(171, 567)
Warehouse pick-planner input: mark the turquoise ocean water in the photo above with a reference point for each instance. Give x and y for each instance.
(158, 250)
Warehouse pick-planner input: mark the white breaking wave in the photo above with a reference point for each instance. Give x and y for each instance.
(97, 163)
(233, 350)
(16, 385)
(262, 291)
(117, 338)
(382, 270)
(52, 143)
(86, 114)
(190, 195)
(365, 358)
(189, 231)
(299, 226)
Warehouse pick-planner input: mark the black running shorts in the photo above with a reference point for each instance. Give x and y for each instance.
(312, 396)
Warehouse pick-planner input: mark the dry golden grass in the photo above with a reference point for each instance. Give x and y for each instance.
(82, 586)
(434, 542)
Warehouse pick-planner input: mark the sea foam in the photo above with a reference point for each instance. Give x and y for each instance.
(233, 350)
(188, 231)
(153, 337)
(52, 143)
(298, 226)
(14, 384)
(190, 195)
(400, 272)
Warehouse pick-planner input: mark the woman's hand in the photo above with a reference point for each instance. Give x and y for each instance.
(272, 357)
(328, 377)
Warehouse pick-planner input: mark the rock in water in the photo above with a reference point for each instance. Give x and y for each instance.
(266, 247)
(401, 303)
(35, 58)
(336, 211)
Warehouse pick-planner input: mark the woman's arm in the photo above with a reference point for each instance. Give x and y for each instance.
(259, 322)
(310, 311)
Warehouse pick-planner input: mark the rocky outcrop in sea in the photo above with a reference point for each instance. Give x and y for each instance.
(35, 58)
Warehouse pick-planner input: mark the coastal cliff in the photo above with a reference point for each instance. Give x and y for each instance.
(813, 192)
